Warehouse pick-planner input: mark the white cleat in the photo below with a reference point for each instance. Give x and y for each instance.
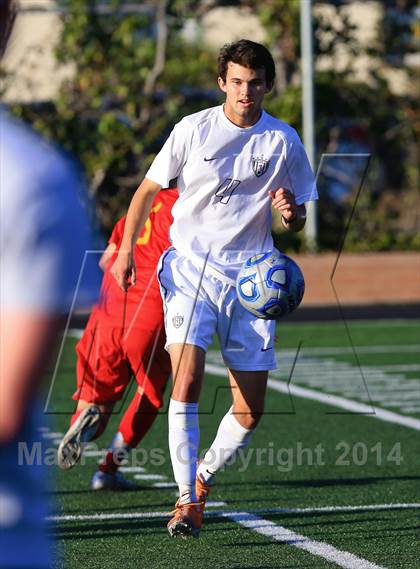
(111, 481)
(70, 448)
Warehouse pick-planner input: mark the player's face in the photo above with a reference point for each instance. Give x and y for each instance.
(245, 89)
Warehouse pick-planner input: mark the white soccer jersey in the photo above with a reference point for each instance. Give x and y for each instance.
(224, 175)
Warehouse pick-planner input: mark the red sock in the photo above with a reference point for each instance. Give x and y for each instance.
(134, 425)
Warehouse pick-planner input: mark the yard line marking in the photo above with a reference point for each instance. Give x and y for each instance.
(348, 404)
(380, 394)
(165, 485)
(131, 469)
(391, 397)
(127, 515)
(221, 513)
(396, 367)
(149, 477)
(50, 435)
(333, 400)
(75, 333)
(105, 517)
(284, 535)
(90, 446)
(94, 453)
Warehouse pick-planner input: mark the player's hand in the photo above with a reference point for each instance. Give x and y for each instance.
(284, 201)
(124, 270)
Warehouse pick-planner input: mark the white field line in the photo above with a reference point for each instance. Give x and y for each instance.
(333, 400)
(380, 394)
(94, 453)
(284, 535)
(328, 375)
(267, 528)
(218, 513)
(131, 469)
(149, 477)
(90, 446)
(49, 435)
(347, 404)
(389, 398)
(127, 515)
(75, 333)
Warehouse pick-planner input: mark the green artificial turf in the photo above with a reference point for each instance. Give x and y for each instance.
(305, 454)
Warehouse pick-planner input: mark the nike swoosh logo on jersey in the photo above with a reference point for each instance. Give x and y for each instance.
(266, 349)
(215, 158)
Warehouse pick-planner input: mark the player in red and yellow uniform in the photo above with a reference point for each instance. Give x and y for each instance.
(124, 336)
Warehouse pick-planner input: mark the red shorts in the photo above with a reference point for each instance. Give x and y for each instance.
(108, 355)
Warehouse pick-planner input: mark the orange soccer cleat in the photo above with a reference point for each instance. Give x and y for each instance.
(202, 490)
(186, 521)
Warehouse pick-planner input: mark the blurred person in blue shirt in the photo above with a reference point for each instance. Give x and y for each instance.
(44, 234)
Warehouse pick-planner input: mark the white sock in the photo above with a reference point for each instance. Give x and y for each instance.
(231, 436)
(184, 435)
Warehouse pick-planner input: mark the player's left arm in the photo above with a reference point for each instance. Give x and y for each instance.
(293, 216)
(297, 188)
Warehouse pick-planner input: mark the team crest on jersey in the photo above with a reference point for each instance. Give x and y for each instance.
(259, 165)
(178, 320)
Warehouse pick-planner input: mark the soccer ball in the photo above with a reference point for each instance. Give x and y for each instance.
(270, 285)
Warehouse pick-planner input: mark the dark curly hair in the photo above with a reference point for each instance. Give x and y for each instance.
(248, 54)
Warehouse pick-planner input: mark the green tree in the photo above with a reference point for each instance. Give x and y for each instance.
(385, 216)
(134, 77)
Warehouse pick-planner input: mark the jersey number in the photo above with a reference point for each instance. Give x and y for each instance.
(147, 230)
(226, 189)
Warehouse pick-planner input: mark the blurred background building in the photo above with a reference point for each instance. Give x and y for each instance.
(37, 77)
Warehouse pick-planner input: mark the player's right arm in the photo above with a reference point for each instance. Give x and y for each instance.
(107, 256)
(165, 167)
(124, 269)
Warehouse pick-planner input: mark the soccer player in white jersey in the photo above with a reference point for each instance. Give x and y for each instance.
(233, 163)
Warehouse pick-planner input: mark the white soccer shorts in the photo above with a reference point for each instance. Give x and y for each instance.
(199, 305)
